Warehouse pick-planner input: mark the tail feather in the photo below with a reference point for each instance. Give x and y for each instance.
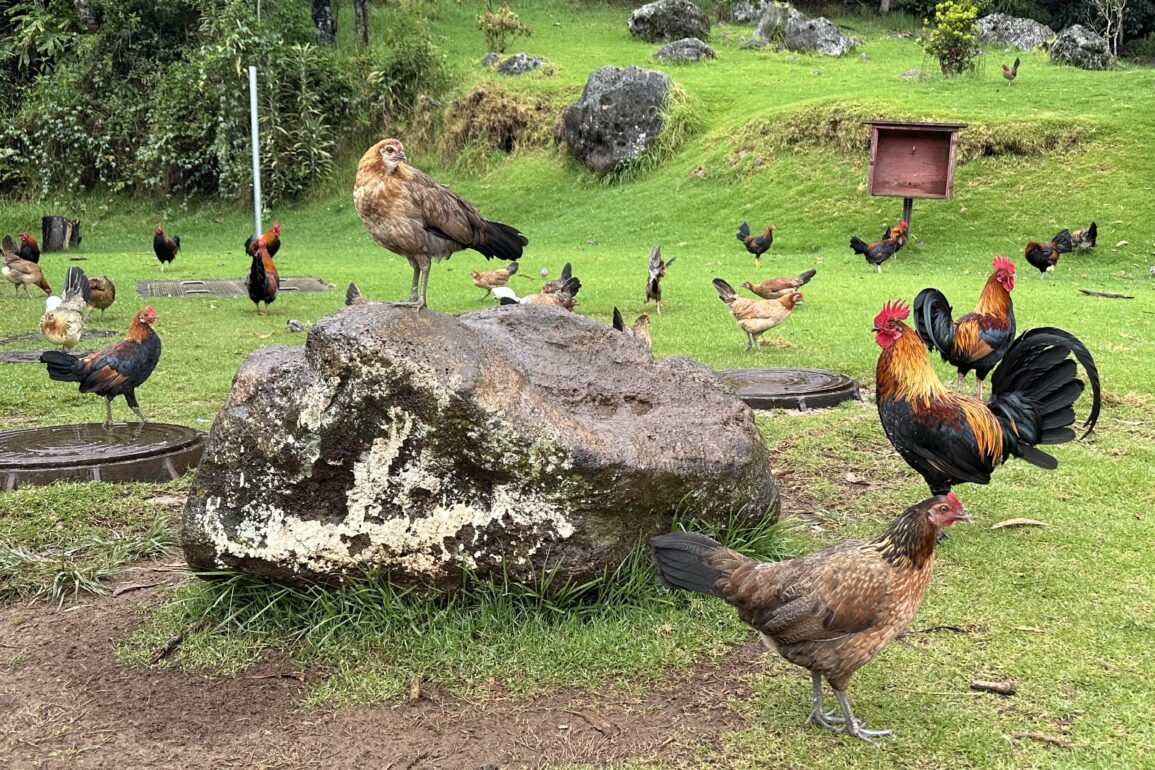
(566, 272)
(511, 268)
(62, 367)
(679, 557)
(506, 301)
(933, 321)
(858, 245)
(743, 232)
(805, 277)
(1092, 234)
(353, 295)
(176, 240)
(725, 291)
(1062, 241)
(76, 285)
(571, 286)
(501, 241)
(619, 323)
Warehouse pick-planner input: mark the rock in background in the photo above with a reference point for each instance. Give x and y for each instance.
(1082, 47)
(669, 20)
(519, 64)
(820, 35)
(509, 441)
(749, 11)
(689, 50)
(1004, 30)
(772, 25)
(617, 119)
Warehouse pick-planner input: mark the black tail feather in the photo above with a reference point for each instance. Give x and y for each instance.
(933, 321)
(501, 241)
(726, 292)
(743, 232)
(1092, 234)
(62, 367)
(566, 272)
(353, 295)
(1062, 241)
(804, 278)
(678, 556)
(619, 323)
(858, 245)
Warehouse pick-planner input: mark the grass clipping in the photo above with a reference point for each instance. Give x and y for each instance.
(841, 127)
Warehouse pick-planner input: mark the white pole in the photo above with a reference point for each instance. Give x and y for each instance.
(256, 150)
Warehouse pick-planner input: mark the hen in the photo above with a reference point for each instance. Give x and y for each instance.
(549, 287)
(657, 271)
(63, 319)
(1085, 239)
(830, 612)
(1011, 72)
(492, 279)
(21, 272)
(409, 214)
(949, 438)
(977, 340)
(1045, 256)
(563, 296)
(102, 293)
(164, 247)
(878, 252)
(775, 288)
(272, 239)
(262, 281)
(756, 316)
(115, 371)
(639, 331)
(29, 248)
(756, 244)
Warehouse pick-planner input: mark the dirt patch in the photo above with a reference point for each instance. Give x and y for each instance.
(66, 703)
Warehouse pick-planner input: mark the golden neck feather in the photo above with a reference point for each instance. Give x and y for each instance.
(905, 372)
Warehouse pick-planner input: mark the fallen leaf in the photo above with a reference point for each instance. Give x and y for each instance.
(131, 587)
(1044, 738)
(1019, 523)
(852, 479)
(1120, 244)
(414, 689)
(262, 336)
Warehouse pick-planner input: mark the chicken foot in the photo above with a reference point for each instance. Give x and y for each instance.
(854, 727)
(818, 716)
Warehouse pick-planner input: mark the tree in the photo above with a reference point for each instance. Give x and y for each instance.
(325, 22)
(1112, 12)
(884, 7)
(361, 14)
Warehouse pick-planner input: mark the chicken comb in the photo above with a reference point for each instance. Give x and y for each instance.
(1002, 263)
(896, 310)
(953, 500)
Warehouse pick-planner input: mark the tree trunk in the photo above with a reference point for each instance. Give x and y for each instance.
(325, 22)
(86, 16)
(884, 7)
(58, 233)
(361, 13)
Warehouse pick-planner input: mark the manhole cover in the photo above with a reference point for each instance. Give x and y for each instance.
(20, 356)
(90, 452)
(94, 334)
(790, 388)
(219, 288)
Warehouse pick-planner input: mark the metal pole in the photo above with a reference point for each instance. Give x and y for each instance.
(256, 150)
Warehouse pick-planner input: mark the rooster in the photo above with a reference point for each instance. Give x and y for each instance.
(29, 248)
(639, 331)
(656, 272)
(775, 288)
(63, 319)
(950, 438)
(564, 296)
(756, 316)
(164, 247)
(102, 293)
(1045, 256)
(409, 214)
(977, 340)
(115, 371)
(878, 252)
(262, 281)
(1011, 72)
(1085, 239)
(900, 233)
(549, 287)
(21, 272)
(756, 244)
(272, 239)
(830, 612)
(492, 279)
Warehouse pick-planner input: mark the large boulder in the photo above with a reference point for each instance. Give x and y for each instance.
(1003, 30)
(1082, 47)
(511, 442)
(617, 119)
(689, 50)
(772, 25)
(820, 35)
(669, 20)
(748, 11)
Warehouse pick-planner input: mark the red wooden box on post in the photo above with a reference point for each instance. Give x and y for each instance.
(912, 160)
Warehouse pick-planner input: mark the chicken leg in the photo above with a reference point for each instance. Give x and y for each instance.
(852, 726)
(107, 413)
(818, 716)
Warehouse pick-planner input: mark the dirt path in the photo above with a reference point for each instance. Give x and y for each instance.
(65, 703)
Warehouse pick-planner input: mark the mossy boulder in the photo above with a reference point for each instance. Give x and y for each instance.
(508, 442)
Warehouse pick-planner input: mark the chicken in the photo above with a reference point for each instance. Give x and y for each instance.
(262, 281)
(657, 271)
(1011, 72)
(29, 248)
(63, 319)
(977, 340)
(639, 331)
(353, 296)
(549, 287)
(1045, 256)
(492, 279)
(1085, 239)
(561, 297)
(756, 244)
(164, 247)
(756, 316)
(950, 438)
(830, 612)
(115, 371)
(102, 293)
(409, 214)
(774, 288)
(878, 252)
(272, 239)
(21, 272)
(900, 233)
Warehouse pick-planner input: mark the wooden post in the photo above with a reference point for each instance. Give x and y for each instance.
(58, 233)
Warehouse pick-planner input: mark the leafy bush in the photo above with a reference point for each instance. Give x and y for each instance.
(1023, 9)
(1143, 48)
(500, 27)
(951, 38)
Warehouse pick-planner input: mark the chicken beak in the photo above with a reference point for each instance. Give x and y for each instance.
(964, 516)
(403, 156)
(874, 329)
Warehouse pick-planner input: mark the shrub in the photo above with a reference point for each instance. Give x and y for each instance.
(951, 38)
(500, 27)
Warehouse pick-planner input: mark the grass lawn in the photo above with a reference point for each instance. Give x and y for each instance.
(1064, 610)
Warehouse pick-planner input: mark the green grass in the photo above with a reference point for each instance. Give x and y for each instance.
(1064, 611)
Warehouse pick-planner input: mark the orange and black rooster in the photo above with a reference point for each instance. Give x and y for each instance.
(1011, 72)
(164, 247)
(977, 340)
(1045, 256)
(115, 371)
(756, 244)
(262, 281)
(950, 438)
(878, 252)
(272, 239)
(900, 233)
(30, 249)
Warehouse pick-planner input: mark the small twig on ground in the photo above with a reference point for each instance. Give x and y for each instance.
(173, 642)
(951, 629)
(1044, 738)
(132, 587)
(998, 688)
(1107, 294)
(602, 726)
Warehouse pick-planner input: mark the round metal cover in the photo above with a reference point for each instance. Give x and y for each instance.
(90, 452)
(790, 388)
